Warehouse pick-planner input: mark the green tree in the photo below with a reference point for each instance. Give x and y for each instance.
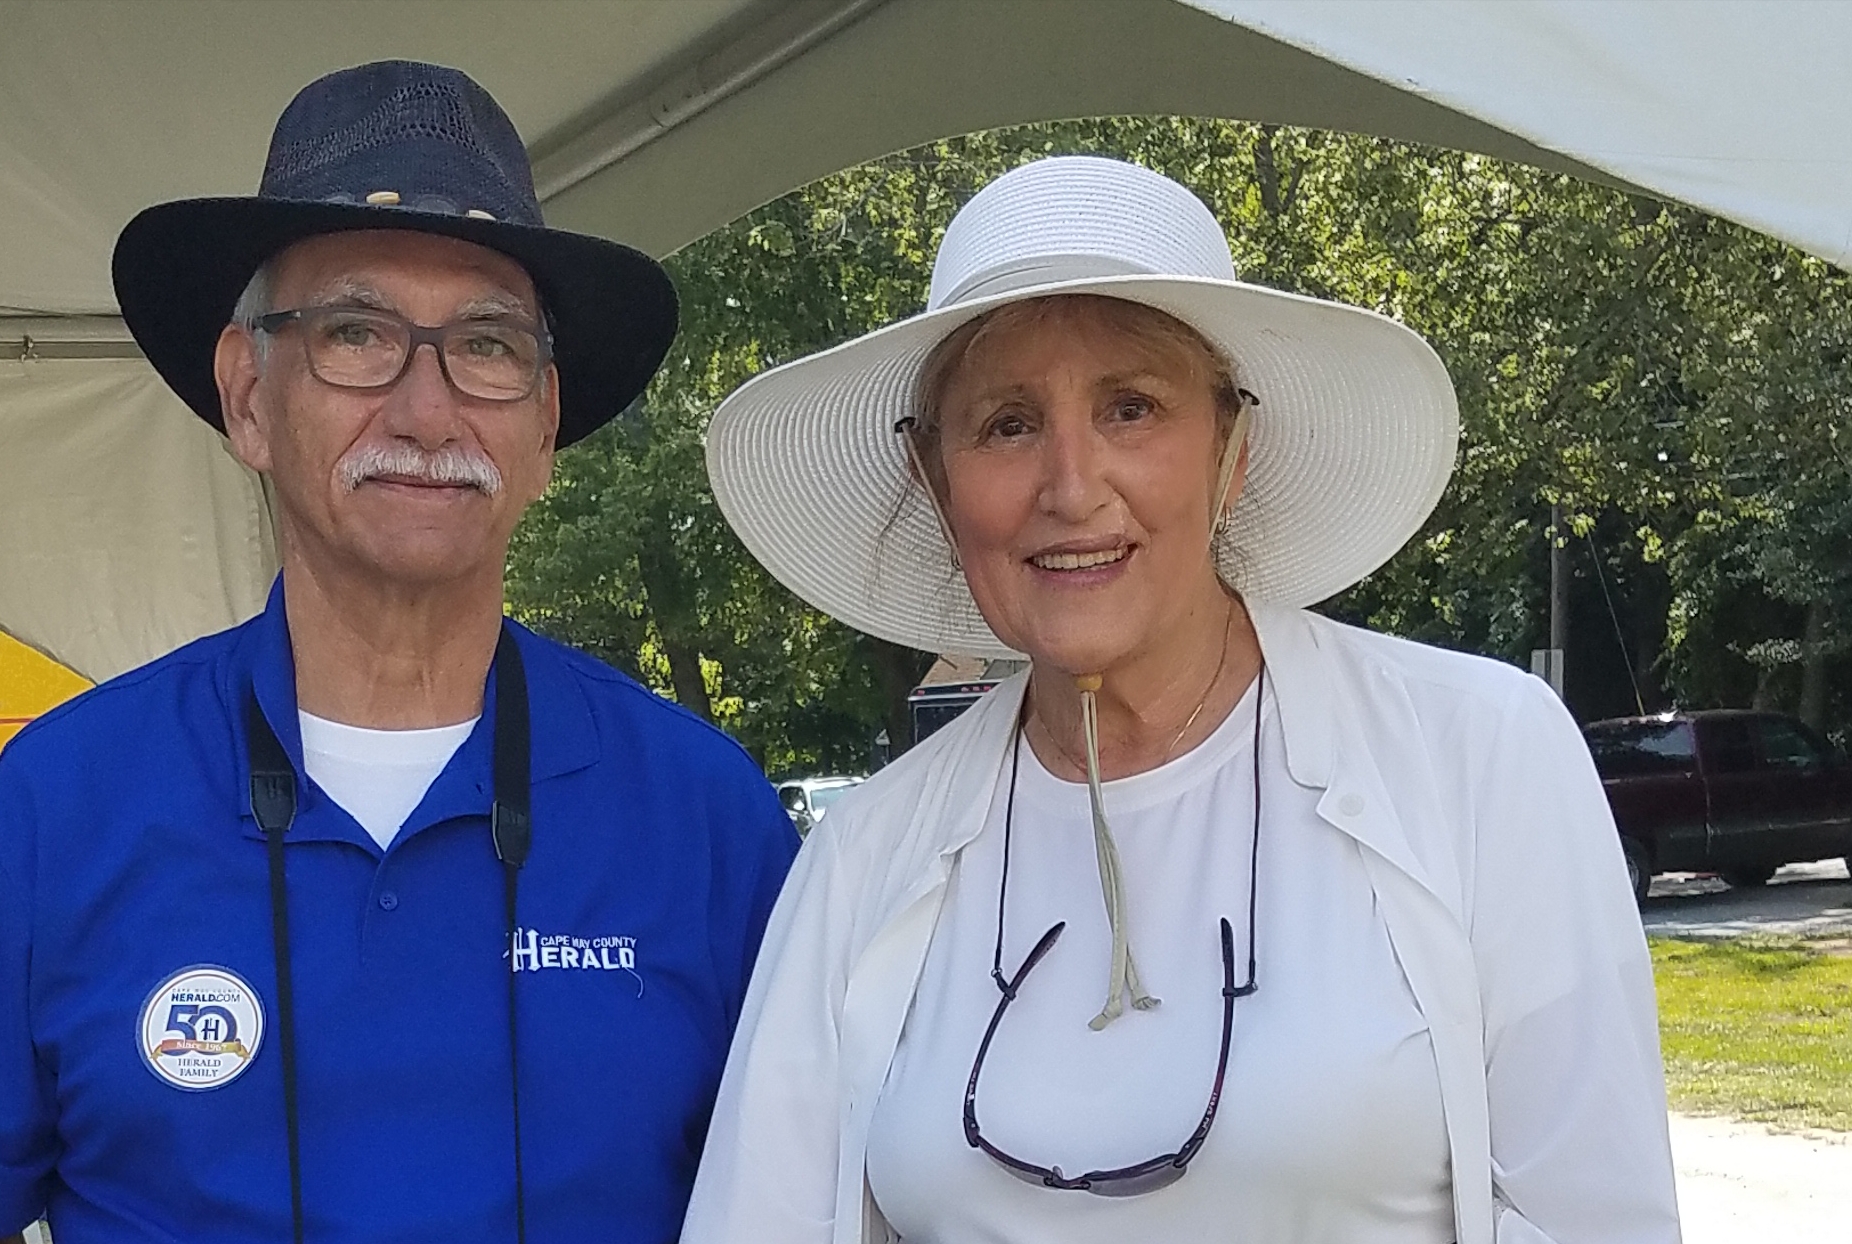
(1675, 384)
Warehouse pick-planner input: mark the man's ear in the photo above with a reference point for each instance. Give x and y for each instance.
(235, 367)
(549, 407)
(549, 430)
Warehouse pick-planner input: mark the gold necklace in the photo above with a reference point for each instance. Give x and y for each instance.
(1220, 665)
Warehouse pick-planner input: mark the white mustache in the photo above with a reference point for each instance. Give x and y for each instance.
(453, 464)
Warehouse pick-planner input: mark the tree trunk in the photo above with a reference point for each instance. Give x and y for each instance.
(685, 677)
(1764, 699)
(1813, 666)
(1267, 171)
(671, 607)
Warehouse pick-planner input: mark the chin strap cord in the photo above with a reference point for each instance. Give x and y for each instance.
(1124, 972)
(1225, 477)
(1123, 980)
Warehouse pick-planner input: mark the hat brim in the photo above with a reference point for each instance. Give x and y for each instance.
(1350, 450)
(180, 267)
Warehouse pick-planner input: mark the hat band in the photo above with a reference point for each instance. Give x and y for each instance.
(1038, 270)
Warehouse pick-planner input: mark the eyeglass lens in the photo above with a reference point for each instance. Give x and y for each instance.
(496, 360)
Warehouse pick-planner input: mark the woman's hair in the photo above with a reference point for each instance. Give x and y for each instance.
(1163, 334)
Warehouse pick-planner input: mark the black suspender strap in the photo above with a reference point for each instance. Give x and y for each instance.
(511, 826)
(273, 803)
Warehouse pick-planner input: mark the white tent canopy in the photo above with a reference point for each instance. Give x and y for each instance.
(126, 529)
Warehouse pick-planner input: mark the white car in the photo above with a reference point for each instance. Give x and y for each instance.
(807, 799)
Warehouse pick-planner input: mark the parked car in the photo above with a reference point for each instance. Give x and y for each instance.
(1730, 792)
(807, 799)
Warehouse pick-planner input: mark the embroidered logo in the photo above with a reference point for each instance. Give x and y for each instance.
(201, 1027)
(534, 951)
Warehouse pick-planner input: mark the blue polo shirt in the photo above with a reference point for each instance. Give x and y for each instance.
(135, 932)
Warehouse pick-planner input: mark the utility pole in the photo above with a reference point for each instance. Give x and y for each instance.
(1547, 663)
(1559, 585)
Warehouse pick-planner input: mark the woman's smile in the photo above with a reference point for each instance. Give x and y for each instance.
(1080, 466)
(1088, 566)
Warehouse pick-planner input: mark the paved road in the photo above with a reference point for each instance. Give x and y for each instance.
(1803, 900)
(1741, 1183)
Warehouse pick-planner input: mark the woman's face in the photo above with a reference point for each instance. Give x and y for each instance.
(1080, 464)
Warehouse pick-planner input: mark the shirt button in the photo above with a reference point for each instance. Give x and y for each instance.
(388, 900)
(1350, 805)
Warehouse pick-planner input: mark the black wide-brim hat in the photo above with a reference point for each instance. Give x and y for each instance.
(394, 145)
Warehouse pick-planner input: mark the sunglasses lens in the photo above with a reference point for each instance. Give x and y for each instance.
(1138, 1185)
(1136, 1181)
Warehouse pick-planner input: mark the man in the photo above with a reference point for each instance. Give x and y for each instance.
(378, 917)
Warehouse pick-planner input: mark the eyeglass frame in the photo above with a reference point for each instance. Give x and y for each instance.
(417, 335)
(1101, 1182)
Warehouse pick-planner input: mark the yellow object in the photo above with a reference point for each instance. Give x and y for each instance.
(1088, 682)
(30, 684)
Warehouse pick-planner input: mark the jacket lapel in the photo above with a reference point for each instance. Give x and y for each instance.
(951, 803)
(1336, 738)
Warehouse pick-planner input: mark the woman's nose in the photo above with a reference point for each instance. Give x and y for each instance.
(1073, 479)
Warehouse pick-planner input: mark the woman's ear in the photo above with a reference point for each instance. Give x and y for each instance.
(1232, 476)
(908, 430)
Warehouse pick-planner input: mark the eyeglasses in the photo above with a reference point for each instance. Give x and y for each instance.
(1154, 1173)
(495, 360)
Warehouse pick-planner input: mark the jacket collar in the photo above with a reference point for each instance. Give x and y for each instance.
(1302, 691)
(970, 768)
(1304, 672)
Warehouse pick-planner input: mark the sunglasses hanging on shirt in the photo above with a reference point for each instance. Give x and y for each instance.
(273, 803)
(1165, 1169)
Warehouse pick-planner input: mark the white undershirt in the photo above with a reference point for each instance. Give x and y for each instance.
(378, 776)
(1330, 1127)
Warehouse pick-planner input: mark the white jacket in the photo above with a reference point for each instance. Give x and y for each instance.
(1492, 854)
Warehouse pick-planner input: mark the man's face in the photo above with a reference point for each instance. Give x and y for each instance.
(368, 478)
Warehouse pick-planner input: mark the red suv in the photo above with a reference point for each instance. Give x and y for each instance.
(1731, 792)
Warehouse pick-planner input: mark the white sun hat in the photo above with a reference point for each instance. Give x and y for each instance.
(1350, 448)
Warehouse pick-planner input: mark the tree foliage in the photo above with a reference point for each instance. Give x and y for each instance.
(1677, 385)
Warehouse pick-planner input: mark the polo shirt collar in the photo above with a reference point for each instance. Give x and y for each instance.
(564, 733)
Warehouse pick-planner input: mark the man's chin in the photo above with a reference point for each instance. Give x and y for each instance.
(423, 558)
(392, 491)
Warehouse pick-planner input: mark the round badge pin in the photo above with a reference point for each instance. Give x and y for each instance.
(201, 1027)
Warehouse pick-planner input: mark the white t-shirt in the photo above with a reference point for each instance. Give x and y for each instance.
(1330, 1125)
(378, 776)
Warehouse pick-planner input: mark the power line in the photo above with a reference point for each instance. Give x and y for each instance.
(1614, 616)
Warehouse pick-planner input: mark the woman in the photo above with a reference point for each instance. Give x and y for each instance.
(1361, 897)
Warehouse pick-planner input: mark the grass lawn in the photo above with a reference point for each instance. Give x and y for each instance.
(1758, 1028)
